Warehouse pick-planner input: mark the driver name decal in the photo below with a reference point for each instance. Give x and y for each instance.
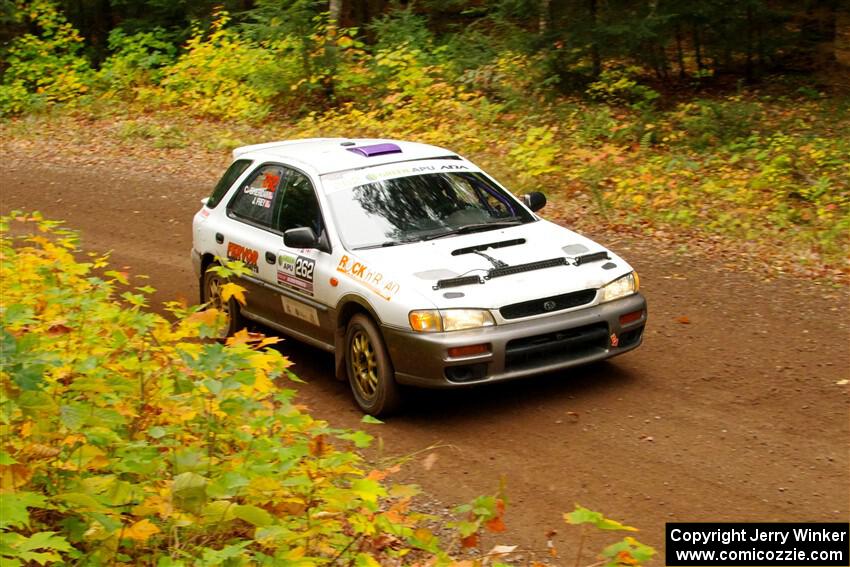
(373, 280)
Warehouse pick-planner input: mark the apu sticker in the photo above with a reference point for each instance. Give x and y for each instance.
(375, 281)
(296, 272)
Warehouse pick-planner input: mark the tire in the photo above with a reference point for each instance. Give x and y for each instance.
(369, 368)
(211, 294)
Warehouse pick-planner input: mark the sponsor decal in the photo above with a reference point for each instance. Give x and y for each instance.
(299, 310)
(243, 254)
(270, 181)
(205, 212)
(374, 280)
(296, 272)
(614, 340)
(419, 169)
(262, 197)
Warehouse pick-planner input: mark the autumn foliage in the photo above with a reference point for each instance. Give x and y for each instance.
(131, 438)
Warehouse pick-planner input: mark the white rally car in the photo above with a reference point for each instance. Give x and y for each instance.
(411, 265)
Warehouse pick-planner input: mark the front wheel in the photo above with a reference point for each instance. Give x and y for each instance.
(211, 292)
(369, 368)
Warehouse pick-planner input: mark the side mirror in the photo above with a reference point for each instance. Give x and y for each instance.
(534, 200)
(301, 237)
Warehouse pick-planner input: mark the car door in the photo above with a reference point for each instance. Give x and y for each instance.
(250, 236)
(302, 275)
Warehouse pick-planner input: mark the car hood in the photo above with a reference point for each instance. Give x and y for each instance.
(419, 266)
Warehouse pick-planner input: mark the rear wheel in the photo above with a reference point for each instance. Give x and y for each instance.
(369, 368)
(211, 287)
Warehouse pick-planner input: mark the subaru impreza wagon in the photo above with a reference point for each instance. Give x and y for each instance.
(411, 265)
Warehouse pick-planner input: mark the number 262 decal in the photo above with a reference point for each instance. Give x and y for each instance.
(304, 268)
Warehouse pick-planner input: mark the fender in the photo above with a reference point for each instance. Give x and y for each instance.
(346, 307)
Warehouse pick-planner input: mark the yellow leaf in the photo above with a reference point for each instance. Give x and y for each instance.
(240, 337)
(236, 291)
(141, 530)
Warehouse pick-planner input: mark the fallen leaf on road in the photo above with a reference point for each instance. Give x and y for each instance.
(501, 550)
(428, 462)
(843, 382)
(683, 320)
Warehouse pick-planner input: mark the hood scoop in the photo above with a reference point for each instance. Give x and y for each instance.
(520, 268)
(457, 282)
(482, 247)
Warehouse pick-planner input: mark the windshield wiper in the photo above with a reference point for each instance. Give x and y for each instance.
(385, 244)
(470, 228)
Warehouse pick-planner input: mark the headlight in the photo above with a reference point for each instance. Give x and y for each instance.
(434, 321)
(621, 287)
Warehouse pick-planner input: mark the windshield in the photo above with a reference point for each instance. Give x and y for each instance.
(418, 207)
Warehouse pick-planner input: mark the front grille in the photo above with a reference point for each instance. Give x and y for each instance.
(547, 304)
(557, 346)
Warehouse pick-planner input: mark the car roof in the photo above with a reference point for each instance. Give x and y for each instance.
(331, 155)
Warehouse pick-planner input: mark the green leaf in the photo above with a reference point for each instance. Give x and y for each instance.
(368, 490)
(582, 515)
(253, 515)
(71, 417)
(218, 511)
(80, 501)
(157, 432)
(633, 549)
(189, 492)
(45, 540)
(372, 420)
(6, 458)
(13, 508)
(361, 439)
(364, 560)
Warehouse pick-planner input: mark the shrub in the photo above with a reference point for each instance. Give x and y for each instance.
(620, 86)
(126, 439)
(225, 75)
(136, 60)
(47, 67)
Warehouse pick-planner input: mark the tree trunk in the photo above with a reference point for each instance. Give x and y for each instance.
(594, 47)
(680, 54)
(334, 11)
(749, 73)
(697, 48)
(543, 23)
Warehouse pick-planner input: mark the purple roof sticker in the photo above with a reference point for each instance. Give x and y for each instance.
(376, 150)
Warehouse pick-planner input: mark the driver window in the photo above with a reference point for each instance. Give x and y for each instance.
(299, 208)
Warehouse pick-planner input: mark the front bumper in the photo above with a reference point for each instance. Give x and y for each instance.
(517, 349)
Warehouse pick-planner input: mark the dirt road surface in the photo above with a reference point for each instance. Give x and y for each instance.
(734, 415)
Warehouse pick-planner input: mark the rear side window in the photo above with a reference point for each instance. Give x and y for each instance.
(230, 176)
(254, 201)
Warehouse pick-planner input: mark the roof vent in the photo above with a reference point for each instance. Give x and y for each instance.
(376, 150)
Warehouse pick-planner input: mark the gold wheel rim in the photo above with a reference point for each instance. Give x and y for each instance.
(364, 365)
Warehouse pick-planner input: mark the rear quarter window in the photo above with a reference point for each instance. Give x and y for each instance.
(227, 180)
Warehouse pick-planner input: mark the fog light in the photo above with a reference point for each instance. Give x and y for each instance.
(631, 317)
(456, 352)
